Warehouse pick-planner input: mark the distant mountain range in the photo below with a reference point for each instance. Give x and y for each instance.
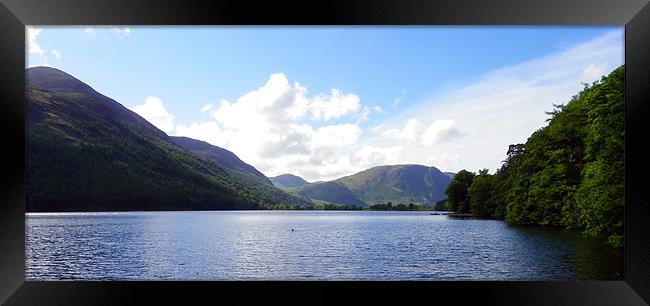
(398, 184)
(87, 152)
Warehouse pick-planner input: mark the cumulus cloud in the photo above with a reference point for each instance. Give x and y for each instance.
(410, 131)
(439, 130)
(154, 111)
(208, 131)
(334, 105)
(32, 44)
(417, 133)
(38, 54)
(281, 128)
(368, 156)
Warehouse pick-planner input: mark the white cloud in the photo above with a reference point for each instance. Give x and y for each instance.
(336, 135)
(334, 105)
(108, 32)
(208, 131)
(370, 156)
(416, 133)
(365, 113)
(32, 45)
(273, 128)
(279, 128)
(500, 108)
(410, 131)
(39, 57)
(439, 130)
(396, 101)
(449, 160)
(154, 111)
(56, 54)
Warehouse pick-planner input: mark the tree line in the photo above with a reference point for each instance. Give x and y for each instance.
(568, 174)
(389, 206)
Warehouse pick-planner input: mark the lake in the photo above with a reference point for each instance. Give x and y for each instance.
(324, 245)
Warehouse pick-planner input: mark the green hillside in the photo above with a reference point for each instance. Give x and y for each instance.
(86, 152)
(222, 157)
(334, 192)
(398, 184)
(286, 181)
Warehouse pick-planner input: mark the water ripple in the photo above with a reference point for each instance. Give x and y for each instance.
(324, 245)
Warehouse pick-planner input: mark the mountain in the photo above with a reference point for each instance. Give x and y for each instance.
(397, 184)
(220, 156)
(333, 192)
(450, 174)
(87, 152)
(286, 181)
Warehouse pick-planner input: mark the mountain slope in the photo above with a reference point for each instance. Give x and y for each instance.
(334, 192)
(220, 156)
(397, 184)
(400, 183)
(450, 174)
(86, 152)
(288, 181)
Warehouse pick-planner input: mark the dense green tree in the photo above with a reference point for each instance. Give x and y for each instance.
(457, 192)
(569, 173)
(600, 196)
(480, 194)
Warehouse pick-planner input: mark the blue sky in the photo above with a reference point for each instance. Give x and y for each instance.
(364, 95)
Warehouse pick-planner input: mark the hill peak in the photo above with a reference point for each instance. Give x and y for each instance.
(53, 79)
(288, 181)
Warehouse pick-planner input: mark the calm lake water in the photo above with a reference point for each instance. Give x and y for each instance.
(324, 245)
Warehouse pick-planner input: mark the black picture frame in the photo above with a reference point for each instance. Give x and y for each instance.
(634, 14)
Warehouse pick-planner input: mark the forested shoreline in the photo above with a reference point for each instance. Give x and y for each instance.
(568, 174)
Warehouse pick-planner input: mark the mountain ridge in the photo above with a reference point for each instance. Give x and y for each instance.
(87, 152)
(287, 181)
(403, 183)
(221, 156)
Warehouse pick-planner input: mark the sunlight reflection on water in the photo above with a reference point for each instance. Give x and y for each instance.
(352, 245)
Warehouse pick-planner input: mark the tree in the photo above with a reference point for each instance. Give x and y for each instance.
(600, 196)
(571, 172)
(480, 194)
(411, 206)
(457, 192)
